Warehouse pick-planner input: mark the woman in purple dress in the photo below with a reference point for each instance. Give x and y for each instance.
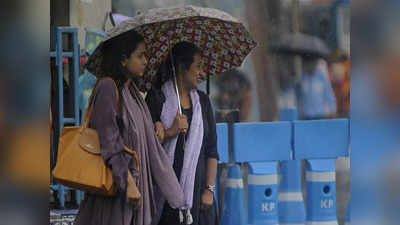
(123, 121)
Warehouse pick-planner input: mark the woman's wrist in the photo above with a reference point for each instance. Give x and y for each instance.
(172, 132)
(210, 188)
(169, 133)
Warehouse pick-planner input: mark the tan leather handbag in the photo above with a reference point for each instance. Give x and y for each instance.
(79, 162)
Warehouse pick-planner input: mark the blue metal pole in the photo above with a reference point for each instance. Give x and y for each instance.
(59, 64)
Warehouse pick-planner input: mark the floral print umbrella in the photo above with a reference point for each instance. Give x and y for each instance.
(224, 41)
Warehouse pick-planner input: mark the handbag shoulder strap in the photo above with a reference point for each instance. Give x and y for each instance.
(89, 110)
(86, 118)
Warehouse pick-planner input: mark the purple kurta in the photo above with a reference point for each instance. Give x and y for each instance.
(132, 127)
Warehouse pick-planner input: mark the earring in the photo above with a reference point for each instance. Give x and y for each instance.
(123, 60)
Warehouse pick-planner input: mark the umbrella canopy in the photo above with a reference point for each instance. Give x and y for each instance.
(302, 44)
(224, 41)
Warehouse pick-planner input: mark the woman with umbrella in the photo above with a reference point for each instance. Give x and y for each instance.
(184, 43)
(123, 121)
(187, 129)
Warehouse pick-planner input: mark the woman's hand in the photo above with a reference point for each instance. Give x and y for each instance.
(207, 199)
(160, 132)
(180, 125)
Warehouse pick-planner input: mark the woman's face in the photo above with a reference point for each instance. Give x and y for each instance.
(195, 74)
(136, 63)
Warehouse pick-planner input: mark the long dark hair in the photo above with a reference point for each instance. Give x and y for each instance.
(182, 56)
(115, 51)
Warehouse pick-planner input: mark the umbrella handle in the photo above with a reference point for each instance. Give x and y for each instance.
(175, 80)
(177, 92)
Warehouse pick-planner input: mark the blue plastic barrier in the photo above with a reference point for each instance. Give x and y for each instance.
(263, 193)
(223, 152)
(234, 208)
(222, 142)
(321, 142)
(321, 192)
(290, 142)
(262, 142)
(290, 198)
(321, 139)
(265, 143)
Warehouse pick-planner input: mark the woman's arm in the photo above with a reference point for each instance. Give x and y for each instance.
(104, 119)
(211, 155)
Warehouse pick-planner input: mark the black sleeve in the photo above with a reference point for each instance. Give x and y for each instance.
(155, 100)
(211, 144)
